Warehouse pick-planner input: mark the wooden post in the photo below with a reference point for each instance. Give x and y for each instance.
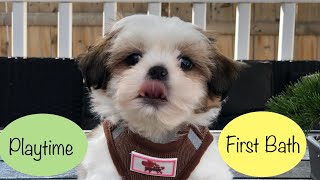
(65, 30)
(286, 31)
(242, 34)
(199, 15)
(19, 29)
(109, 15)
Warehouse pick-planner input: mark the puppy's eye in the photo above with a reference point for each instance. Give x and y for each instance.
(185, 63)
(133, 59)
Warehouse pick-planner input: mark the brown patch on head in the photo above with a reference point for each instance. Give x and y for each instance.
(199, 56)
(121, 51)
(93, 63)
(223, 71)
(211, 66)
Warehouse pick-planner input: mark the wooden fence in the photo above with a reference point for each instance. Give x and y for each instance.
(242, 47)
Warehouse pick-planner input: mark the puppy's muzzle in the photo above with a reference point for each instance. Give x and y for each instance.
(153, 90)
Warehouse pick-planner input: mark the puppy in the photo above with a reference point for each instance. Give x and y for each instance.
(161, 81)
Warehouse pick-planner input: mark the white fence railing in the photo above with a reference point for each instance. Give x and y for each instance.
(242, 34)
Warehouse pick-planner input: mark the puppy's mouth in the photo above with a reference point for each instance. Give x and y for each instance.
(153, 92)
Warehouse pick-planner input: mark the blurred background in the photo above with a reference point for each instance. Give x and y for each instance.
(87, 27)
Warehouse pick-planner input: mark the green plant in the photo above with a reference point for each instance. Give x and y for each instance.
(300, 102)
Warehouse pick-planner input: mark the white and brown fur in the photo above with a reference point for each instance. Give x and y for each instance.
(194, 96)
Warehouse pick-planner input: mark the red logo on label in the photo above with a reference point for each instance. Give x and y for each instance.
(153, 166)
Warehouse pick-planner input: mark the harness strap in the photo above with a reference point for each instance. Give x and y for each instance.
(112, 149)
(195, 140)
(117, 131)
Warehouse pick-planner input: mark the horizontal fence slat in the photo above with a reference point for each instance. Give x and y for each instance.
(199, 15)
(286, 31)
(109, 15)
(154, 8)
(242, 34)
(174, 1)
(19, 29)
(65, 30)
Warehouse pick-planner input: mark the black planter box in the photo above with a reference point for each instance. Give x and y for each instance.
(314, 153)
(40, 85)
(258, 83)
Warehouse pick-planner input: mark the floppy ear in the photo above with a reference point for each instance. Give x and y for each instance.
(93, 64)
(224, 72)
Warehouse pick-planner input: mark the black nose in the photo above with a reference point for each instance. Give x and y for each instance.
(158, 73)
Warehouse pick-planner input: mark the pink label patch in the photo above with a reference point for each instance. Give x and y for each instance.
(153, 166)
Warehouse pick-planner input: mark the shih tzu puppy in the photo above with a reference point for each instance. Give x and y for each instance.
(156, 83)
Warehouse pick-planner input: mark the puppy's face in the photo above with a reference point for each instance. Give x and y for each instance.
(156, 72)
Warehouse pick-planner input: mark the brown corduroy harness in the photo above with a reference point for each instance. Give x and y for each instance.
(187, 151)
